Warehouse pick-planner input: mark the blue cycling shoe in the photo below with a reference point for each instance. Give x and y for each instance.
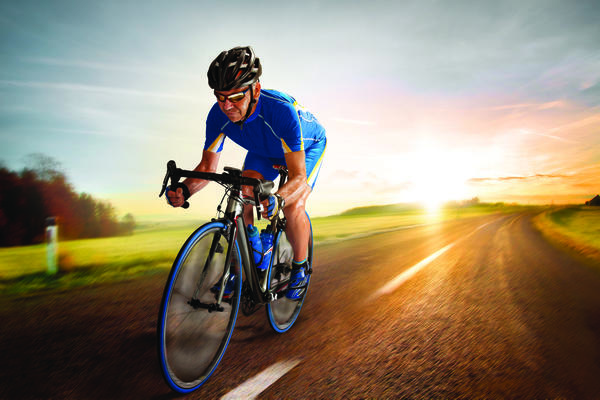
(297, 286)
(229, 287)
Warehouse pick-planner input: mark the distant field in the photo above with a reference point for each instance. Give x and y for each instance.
(154, 245)
(365, 220)
(578, 227)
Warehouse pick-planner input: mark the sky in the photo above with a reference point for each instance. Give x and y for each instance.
(423, 101)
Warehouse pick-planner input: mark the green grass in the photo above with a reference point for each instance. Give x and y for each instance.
(154, 246)
(149, 244)
(580, 223)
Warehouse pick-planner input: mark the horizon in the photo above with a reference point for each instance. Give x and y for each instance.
(421, 102)
(452, 204)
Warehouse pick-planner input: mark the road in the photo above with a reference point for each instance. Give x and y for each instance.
(477, 308)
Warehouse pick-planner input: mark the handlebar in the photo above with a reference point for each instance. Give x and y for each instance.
(231, 176)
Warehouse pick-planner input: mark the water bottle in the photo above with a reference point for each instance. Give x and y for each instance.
(266, 237)
(257, 249)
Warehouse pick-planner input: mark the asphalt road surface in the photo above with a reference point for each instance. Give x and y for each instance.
(478, 308)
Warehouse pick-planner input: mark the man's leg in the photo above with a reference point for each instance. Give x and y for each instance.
(298, 233)
(298, 228)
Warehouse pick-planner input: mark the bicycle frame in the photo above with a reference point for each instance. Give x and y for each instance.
(233, 217)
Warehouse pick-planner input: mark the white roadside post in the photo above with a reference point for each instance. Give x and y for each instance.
(52, 245)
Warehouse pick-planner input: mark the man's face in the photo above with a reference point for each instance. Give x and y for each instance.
(235, 111)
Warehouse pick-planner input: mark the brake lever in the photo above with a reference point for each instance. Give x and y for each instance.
(170, 168)
(172, 174)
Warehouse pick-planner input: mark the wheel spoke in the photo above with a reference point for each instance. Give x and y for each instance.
(194, 339)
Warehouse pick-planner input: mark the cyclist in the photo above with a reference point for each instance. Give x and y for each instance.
(275, 130)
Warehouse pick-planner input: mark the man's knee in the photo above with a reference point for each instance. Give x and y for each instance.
(296, 208)
(291, 210)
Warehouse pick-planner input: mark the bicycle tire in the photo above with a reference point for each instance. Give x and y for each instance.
(283, 312)
(192, 340)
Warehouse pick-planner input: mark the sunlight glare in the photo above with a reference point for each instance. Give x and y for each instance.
(438, 175)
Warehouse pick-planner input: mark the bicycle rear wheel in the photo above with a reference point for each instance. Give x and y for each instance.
(192, 333)
(283, 312)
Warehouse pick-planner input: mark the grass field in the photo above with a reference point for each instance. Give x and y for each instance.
(154, 246)
(578, 227)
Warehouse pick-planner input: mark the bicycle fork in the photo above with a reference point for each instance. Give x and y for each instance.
(215, 247)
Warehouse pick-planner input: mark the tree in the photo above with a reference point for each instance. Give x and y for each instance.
(47, 168)
(42, 190)
(127, 224)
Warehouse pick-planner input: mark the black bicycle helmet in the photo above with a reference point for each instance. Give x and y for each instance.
(233, 69)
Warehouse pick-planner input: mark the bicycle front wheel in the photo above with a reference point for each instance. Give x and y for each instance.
(193, 330)
(283, 312)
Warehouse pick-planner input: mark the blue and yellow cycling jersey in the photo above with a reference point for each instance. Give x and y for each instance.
(279, 125)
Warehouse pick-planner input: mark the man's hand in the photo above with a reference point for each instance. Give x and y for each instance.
(272, 206)
(178, 195)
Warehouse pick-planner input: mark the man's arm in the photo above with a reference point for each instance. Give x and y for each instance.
(296, 189)
(209, 163)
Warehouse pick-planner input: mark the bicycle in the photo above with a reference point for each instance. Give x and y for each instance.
(197, 316)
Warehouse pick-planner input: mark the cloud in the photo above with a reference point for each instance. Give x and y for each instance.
(561, 139)
(352, 121)
(97, 89)
(105, 67)
(533, 106)
(395, 189)
(139, 135)
(594, 119)
(517, 178)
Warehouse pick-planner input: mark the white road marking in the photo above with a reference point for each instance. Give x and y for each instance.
(406, 275)
(257, 384)
(409, 273)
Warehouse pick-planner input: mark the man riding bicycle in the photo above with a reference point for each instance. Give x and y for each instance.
(275, 130)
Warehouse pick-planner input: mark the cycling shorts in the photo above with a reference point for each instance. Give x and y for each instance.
(264, 165)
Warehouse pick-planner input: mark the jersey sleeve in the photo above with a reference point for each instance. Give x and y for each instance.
(215, 137)
(289, 129)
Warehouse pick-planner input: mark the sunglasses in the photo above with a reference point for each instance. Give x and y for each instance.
(234, 98)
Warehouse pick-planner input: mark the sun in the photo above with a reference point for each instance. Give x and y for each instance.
(437, 175)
